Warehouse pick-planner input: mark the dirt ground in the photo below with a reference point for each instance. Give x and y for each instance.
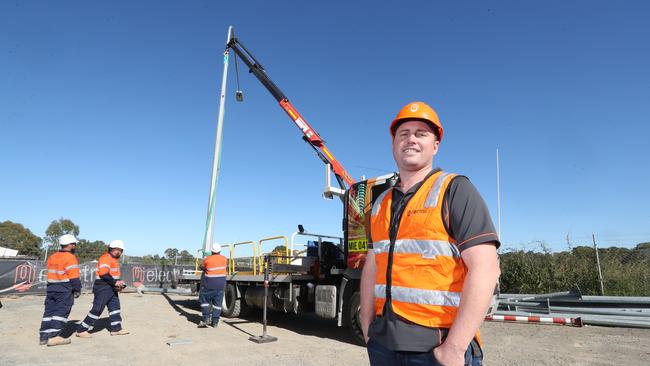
(155, 320)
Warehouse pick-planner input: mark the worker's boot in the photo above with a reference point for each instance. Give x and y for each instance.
(120, 332)
(202, 324)
(42, 342)
(83, 335)
(57, 341)
(214, 324)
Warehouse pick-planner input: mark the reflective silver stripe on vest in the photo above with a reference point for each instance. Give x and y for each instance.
(55, 271)
(377, 205)
(215, 268)
(432, 198)
(104, 266)
(427, 248)
(57, 281)
(381, 246)
(215, 275)
(419, 296)
(71, 267)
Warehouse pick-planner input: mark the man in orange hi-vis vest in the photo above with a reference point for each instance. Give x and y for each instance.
(432, 264)
(213, 282)
(106, 287)
(63, 284)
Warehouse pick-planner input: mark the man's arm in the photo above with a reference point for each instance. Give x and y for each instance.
(104, 273)
(482, 275)
(72, 268)
(367, 313)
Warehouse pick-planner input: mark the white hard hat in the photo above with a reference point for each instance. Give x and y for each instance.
(117, 244)
(216, 247)
(67, 239)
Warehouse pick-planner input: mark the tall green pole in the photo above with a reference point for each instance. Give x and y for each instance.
(216, 160)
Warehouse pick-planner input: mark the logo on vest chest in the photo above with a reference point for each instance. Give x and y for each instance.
(416, 211)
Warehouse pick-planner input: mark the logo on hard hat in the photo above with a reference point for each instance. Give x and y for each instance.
(415, 107)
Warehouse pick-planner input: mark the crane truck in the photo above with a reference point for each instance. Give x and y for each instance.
(324, 277)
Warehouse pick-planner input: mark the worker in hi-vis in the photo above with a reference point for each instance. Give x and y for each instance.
(63, 285)
(106, 287)
(432, 265)
(213, 283)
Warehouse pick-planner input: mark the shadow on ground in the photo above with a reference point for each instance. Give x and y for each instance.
(306, 324)
(71, 327)
(181, 305)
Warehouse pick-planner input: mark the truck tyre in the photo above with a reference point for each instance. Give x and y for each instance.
(234, 306)
(354, 320)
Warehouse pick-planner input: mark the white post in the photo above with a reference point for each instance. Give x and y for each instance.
(600, 274)
(207, 240)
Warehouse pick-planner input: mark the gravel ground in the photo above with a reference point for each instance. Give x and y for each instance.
(155, 320)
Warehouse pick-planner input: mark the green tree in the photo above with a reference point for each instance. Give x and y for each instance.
(16, 236)
(90, 250)
(171, 253)
(56, 229)
(645, 245)
(185, 257)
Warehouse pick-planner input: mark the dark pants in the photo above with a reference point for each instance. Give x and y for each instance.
(55, 317)
(105, 296)
(211, 298)
(382, 356)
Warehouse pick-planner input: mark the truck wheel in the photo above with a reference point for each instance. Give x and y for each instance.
(354, 320)
(233, 307)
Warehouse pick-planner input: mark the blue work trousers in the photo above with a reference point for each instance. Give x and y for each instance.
(382, 356)
(214, 299)
(105, 296)
(55, 316)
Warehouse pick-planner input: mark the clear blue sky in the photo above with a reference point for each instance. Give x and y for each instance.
(108, 112)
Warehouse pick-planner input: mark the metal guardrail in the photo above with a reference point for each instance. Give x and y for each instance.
(231, 270)
(286, 249)
(618, 311)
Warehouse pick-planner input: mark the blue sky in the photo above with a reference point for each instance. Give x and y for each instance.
(108, 112)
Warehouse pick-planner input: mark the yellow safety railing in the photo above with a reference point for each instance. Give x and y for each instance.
(286, 249)
(200, 253)
(231, 268)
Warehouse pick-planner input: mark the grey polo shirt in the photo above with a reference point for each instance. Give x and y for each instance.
(467, 220)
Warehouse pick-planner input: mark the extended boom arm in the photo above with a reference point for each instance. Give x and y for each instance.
(310, 136)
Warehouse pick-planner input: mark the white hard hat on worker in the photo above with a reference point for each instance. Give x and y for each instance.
(115, 248)
(67, 239)
(116, 244)
(216, 248)
(417, 133)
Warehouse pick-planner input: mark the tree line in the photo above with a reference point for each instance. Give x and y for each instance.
(14, 235)
(625, 272)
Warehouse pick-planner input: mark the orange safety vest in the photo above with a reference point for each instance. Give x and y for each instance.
(215, 266)
(62, 267)
(108, 265)
(427, 272)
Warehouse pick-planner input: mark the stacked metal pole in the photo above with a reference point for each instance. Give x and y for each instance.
(571, 308)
